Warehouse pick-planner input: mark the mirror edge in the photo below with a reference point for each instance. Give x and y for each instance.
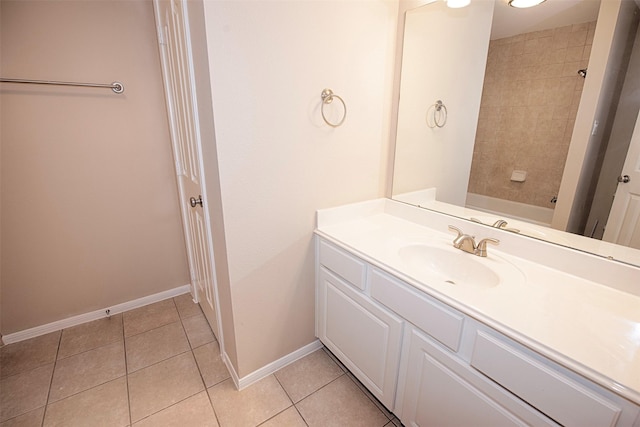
(404, 7)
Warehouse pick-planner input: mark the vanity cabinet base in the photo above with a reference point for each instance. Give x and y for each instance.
(363, 335)
(433, 365)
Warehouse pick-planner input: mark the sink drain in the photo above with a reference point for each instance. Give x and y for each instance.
(450, 281)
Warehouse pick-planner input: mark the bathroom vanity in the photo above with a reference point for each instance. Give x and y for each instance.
(531, 334)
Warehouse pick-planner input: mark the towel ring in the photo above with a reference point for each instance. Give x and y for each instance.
(327, 96)
(438, 112)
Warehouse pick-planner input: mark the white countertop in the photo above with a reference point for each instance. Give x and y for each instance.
(591, 328)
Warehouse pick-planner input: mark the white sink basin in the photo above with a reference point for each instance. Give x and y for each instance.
(435, 264)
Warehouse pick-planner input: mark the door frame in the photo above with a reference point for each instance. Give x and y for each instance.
(192, 99)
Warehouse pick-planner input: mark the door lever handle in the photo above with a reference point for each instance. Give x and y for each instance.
(195, 202)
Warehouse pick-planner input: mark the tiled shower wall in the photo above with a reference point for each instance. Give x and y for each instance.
(528, 109)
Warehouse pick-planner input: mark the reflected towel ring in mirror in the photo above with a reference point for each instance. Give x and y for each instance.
(437, 115)
(327, 96)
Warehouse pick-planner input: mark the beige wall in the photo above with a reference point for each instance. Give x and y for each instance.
(1, 329)
(529, 105)
(278, 161)
(90, 215)
(427, 157)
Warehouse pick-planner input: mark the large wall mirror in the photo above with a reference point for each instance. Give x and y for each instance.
(525, 115)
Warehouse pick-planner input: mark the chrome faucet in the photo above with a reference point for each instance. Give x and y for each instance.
(467, 243)
(501, 224)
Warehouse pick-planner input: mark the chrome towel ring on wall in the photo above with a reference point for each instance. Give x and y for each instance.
(437, 115)
(327, 96)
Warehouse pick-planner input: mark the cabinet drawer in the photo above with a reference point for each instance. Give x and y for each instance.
(560, 398)
(340, 262)
(441, 322)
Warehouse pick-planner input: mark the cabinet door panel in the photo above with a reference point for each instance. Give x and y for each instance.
(445, 399)
(364, 336)
(440, 391)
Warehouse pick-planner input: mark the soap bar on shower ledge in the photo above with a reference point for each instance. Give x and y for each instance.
(518, 176)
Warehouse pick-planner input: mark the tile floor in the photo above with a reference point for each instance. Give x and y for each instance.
(160, 365)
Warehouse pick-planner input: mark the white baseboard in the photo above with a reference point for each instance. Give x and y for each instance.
(94, 315)
(231, 369)
(272, 367)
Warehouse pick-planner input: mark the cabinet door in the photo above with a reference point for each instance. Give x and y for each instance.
(363, 335)
(440, 391)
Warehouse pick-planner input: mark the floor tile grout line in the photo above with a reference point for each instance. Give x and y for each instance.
(300, 413)
(369, 395)
(186, 316)
(89, 349)
(35, 367)
(202, 376)
(195, 359)
(175, 307)
(95, 385)
(186, 334)
(330, 382)
(86, 351)
(53, 371)
(28, 370)
(207, 343)
(359, 384)
(335, 359)
(213, 408)
(289, 396)
(160, 361)
(170, 406)
(275, 415)
(291, 399)
(90, 388)
(126, 374)
(283, 388)
(152, 329)
(188, 350)
(353, 380)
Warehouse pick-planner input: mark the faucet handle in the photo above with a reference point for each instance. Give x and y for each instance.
(481, 248)
(457, 230)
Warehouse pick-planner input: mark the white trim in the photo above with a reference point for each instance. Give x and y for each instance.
(201, 169)
(93, 315)
(231, 369)
(272, 367)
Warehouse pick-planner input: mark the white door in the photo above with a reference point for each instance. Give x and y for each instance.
(177, 70)
(623, 225)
